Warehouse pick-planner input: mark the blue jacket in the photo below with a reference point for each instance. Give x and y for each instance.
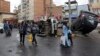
(6, 26)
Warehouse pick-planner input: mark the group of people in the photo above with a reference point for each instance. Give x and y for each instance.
(31, 27)
(28, 27)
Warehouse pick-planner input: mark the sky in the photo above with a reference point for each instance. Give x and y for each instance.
(57, 2)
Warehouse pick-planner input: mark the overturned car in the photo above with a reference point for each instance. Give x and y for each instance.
(85, 23)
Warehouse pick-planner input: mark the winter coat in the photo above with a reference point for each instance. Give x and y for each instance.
(6, 26)
(34, 29)
(23, 29)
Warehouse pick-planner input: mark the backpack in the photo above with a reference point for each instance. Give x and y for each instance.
(34, 29)
(21, 28)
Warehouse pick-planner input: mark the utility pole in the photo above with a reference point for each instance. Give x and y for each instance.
(70, 21)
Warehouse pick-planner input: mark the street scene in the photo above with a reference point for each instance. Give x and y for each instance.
(49, 28)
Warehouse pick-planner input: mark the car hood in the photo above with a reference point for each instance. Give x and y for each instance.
(1, 27)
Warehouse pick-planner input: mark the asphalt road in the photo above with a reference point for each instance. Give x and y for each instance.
(49, 46)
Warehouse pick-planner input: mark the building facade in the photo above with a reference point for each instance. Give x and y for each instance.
(18, 11)
(7, 16)
(5, 13)
(37, 9)
(75, 10)
(26, 9)
(4, 6)
(95, 6)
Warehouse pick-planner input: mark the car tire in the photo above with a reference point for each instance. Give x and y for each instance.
(1, 31)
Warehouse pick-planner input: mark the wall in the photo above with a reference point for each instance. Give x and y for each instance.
(57, 12)
(95, 6)
(38, 9)
(31, 10)
(4, 6)
(76, 12)
(0, 18)
(6, 16)
(83, 7)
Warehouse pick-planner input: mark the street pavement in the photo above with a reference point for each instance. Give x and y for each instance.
(49, 46)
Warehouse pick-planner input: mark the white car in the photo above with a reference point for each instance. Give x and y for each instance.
(1, 27)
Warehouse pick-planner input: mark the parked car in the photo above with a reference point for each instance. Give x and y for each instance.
(1, 27)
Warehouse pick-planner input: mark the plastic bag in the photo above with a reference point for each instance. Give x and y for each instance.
(65, 41)
(29, 38)
(18, 37)
(62, 39)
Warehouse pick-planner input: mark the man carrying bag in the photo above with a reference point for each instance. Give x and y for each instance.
(34, 31)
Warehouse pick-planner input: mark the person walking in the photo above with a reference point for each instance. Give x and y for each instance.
(67, 34)
(55, 28)
(34, 30)
(6, 28)
(11, 26)
(22, 32)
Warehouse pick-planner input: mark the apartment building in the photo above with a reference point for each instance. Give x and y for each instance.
(74, 11)
(37, 9)
(33, 9)
(4, 6)
(26, 9)
(19, 13)
(95, 6)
